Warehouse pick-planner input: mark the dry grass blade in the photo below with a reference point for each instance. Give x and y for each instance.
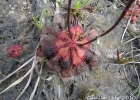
(57, 8)
(137, 89)
(39, 74)
(29, 81)
(119, 1)
(50, 78)
(133, 62)
(126, 28)
(133, 51)
(127, 24)
(137, 74)
(20, 79)
(17, 70)
(36, 85)
(132, 39)
(134, 92)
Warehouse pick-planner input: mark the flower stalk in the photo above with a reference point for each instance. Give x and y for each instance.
(116, 23)
(68, 18)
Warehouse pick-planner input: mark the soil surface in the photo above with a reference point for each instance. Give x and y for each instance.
(106, 82)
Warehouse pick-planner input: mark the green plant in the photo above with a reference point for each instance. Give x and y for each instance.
(79, 4)
(93, 91)
(45, 60)
(122, 59)
(89, 92)
(138, 95)
(2, 37)
(40, 22)
(60, 1)
(18, 61)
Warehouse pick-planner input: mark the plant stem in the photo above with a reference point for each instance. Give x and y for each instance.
(68, 17)
(116, 23)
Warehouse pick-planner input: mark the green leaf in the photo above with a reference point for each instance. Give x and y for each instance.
(41, 21)
(79, 4)
(17, 60)
(96, 91)
(60, 1)
(85, 3)
(2, 36)
(36, 22)
(124, 61)
(45, 60)
(81, 36)
(138, 95)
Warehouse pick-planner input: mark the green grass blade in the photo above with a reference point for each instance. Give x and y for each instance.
(85, 3)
